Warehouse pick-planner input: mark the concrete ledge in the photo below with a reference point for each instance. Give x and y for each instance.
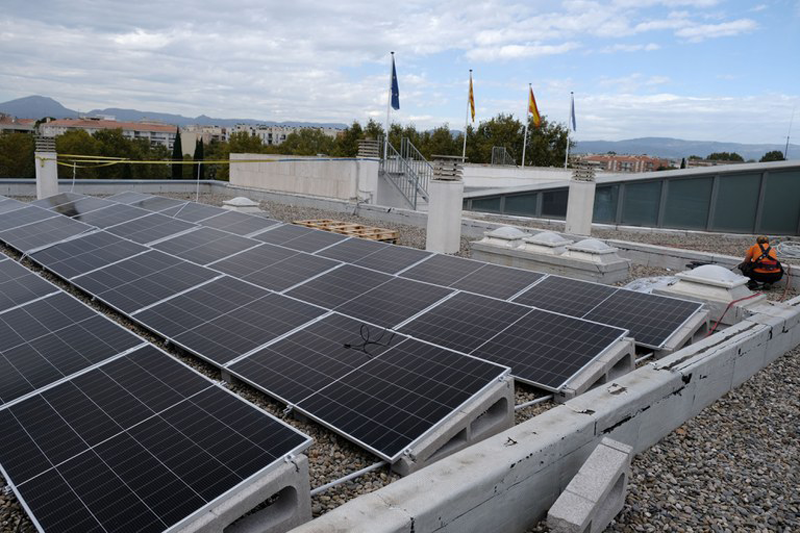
(694, 329)
(487, 415)
(290, 487)
(597, 492)
(509, 481)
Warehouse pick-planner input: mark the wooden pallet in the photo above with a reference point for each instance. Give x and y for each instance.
(351, 230)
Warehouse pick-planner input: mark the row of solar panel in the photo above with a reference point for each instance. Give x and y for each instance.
(650, 319)
(220, 318)
(102, 431)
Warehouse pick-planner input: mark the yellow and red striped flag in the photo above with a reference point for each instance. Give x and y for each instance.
(533, 110)
(471, 97)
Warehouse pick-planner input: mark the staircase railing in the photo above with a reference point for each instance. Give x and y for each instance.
(403, 172)
(418, 163)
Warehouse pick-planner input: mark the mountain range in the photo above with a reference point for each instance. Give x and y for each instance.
(41, 106)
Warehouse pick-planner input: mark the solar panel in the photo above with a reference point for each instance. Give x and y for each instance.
(157, 203)
(129, 197)
(465, 321)
(338, 286)
(111, 216)
(150, 228)
(141, 443)
(546, 349)
(306, 361)
(253, 260)
(24, 215)
(311, 241)
(282, 234)
(397, 397)
(651, 319)
(7, 205)
(19, 285)
(49, 339)
(38, 234)
(393, 302)
(86, 253)
(442, 270)
(291, 271)
(352, 249)
(238, 223)
(221, 330)
(392, 259)
(205, 245)
(57, 199)
(497, 281)
(192, 212)
(83, 205)
(565, 295)
(142, 280)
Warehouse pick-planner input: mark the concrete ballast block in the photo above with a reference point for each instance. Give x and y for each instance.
(597, 492)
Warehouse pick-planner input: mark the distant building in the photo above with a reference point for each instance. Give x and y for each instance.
(695, 163)
(9, 124)
(208, 134)
(275, 135)
(625, 163)
(154, 132)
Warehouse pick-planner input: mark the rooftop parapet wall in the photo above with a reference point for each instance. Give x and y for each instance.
(508, 482)
(343, 179)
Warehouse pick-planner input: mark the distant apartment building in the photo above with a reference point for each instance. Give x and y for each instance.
(154, 132)
(9, 124)
(625, 163)
(275, 135)
(695, 163)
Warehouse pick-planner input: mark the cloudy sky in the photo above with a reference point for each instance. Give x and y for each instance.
(723, 70)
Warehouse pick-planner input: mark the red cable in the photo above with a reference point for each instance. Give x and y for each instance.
(726, 310)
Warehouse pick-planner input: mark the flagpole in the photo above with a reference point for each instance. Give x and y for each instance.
(525, 139)
(466, 122)
(388, 110)
(569, 122)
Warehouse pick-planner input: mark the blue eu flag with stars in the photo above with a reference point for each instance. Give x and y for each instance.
(395, 88)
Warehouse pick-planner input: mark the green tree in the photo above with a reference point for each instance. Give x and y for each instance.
(774, 155)
(77, 142)
(346, 144)
(440, 141)
(307, 141)
(683, 163)
(547, 144)
(177, 155)
(112, 143)
(16, 155)
(725, 156)
(373, 130)
(198, 169)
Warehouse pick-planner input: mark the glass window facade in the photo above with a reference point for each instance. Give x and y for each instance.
(641, 202)
(687, 203)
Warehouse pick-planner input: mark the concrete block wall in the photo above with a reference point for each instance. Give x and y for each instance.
(509, 481)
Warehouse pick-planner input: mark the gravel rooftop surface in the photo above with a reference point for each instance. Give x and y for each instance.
(734, 467)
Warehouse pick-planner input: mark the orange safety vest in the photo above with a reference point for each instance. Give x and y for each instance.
(765, 260)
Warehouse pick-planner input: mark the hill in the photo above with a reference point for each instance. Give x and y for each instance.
(677, 148)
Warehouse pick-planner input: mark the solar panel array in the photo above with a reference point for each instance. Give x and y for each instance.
(184, 284)
(102, 431)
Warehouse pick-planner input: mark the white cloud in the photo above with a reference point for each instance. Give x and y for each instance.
(514, 51)
(630, 48)
(702, 32)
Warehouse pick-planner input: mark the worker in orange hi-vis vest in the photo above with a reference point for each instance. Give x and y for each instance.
(761, 265)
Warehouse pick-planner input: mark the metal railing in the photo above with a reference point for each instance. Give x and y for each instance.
(419, 164)
(409, 175)
(500, 156)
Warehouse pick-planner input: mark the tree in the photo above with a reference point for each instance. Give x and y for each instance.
(373, 130)
(77, 142)
(547, 144)
(347, 143)
(774, 155)
(307, 141)
(683, 163)
(177, 155)
(440, 142)
(725, 156)
(198, 169)
(16, 155)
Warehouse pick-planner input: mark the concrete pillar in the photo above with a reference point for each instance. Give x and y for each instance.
(445, 201)
(46, 174)
(580, 206)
